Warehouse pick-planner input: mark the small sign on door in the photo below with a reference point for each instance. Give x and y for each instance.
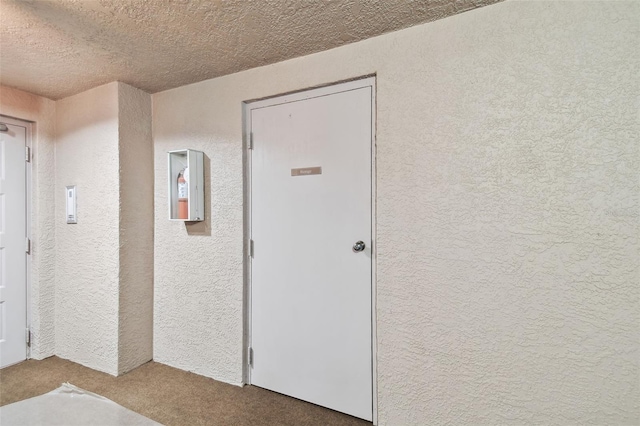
(306, 171)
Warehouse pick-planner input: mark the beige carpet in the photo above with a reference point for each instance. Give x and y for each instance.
(168, 395)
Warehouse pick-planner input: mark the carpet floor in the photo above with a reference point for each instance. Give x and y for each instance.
(169, 396)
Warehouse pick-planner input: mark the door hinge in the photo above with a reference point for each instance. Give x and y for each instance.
(27, 337)
(27, 154)
(28, 245)
(251, 140)
(251, 249)
(250, 356)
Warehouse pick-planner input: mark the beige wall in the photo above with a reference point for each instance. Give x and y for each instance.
(135, 150)
(87, 253)
(41, 112)
(507, 191)
(104, 288)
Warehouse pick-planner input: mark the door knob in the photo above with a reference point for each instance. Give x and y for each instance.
(359, 246)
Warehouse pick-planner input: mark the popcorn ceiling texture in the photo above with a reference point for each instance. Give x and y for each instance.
(507, 220)
(41, 111)
(57, 49)
(87, 253)
(135, 150)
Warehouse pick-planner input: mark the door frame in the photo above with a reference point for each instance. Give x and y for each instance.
(28, 126)
(307, 93)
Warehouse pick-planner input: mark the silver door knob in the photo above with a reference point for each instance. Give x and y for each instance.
(359, 246)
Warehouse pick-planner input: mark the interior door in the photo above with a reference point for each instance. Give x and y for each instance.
(311, 315)
(13, 266)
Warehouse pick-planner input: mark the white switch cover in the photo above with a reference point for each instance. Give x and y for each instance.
(70, 196)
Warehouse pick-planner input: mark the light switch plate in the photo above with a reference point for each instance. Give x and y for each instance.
(70, 196)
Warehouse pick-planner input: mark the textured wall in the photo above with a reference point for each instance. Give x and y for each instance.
(508, 218)
(198, 267)
(135, 150)
(41, 112)
(87, 254)
(508, 221)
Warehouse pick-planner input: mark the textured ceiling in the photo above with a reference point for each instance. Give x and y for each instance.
(59, 48)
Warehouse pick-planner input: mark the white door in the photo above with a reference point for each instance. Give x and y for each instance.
(311, 321)
(13, 231)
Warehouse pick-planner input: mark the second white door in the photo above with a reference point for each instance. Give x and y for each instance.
(13, 258)
(311, 321)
